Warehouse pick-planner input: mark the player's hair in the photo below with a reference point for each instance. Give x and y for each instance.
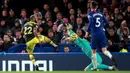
(94, 4)
(32, 18)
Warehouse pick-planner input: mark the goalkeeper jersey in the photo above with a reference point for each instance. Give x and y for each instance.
(85, 45)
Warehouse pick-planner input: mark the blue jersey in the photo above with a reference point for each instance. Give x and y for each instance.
(96, 22)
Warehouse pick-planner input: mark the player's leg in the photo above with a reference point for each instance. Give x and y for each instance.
(89, 67)
(103, 45)
(103, 66)
(30, 47)
(94, 56)
(107, 53)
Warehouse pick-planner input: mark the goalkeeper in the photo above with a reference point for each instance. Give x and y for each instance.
(86, 48)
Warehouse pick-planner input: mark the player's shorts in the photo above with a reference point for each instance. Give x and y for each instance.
(31, 44)
(98, 40)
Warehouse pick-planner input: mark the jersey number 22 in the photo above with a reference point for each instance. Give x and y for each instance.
(28, 30)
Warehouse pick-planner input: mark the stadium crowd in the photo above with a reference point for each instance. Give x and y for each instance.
(50, 21)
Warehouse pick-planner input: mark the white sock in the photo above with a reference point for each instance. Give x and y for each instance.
(107, 53)
(94, 61)
(110, 67)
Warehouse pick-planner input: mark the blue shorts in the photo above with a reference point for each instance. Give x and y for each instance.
(98, 40)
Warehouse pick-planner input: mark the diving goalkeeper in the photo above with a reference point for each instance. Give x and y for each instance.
(86, 48)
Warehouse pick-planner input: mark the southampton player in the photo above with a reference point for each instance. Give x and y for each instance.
(98, 38)
(86, 48)
(32, 38)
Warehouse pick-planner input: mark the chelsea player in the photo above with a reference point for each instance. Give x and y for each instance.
(98, 37)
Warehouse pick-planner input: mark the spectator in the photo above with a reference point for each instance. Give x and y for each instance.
(3, 27)
(113, 36)
(123, 48)
(58, 19)
(71, 12)
(41, 30)
(56, 10)
(11, 18)
(113, 4)
(7, 42)
(120, 19)
(64, 7)
(79, 12)
(57, 34)
(48, 16)
(120, 30)
(5, 4)
(18, 37)
(46, 8)
(62, 26)
(63, 39)
(23, 18)
(23, 51)
(62, 30)
(79, 33)
(51, 36)
(85, 26)
(115, 16)
(72, 22)
(103, 4)
(111, 25)
(4, 14)
(70, 6)
(80, 23)
(105, 11)
(17, 26)
(49, 25)
(125, 34)
(108, 17)
(54, 28)
(9, 33)
(66, 49)
(1, 44)
(112, 47)
(42, 26)
(127, 16)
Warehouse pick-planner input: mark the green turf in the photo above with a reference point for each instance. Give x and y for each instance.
(71, 72)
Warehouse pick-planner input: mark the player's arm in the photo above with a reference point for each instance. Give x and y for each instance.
(72, 37)
(105, 20)
(89, 26)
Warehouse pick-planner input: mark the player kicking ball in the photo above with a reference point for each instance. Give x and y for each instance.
(86, 48)
(32, 38)
(98, 37)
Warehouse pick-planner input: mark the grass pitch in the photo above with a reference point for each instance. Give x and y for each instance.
(70, 72)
